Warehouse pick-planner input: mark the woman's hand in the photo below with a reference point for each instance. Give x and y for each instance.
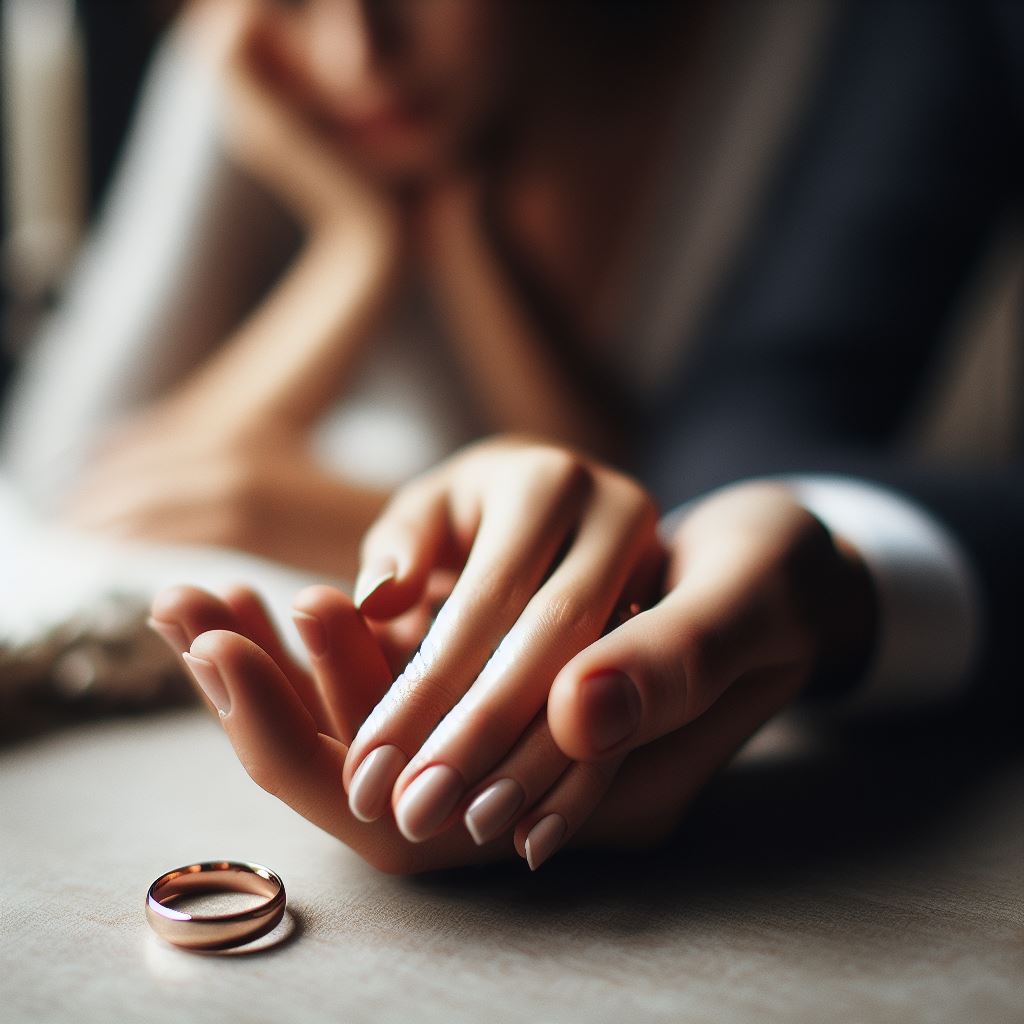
(290, 727)
(551, 548)
(158, 481)
(282, 132)
(757, 596)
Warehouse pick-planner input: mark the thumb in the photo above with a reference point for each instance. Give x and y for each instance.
(653, 674)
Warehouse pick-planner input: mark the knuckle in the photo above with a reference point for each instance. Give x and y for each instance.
(635, 509)
(501, 596)
(556, 469)
(630, 492)
(683, 676)
(427, 701)
(573, 615)
(647, 513)
(700, 664)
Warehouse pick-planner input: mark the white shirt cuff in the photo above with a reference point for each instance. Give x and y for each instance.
(929, 601)
(931, 617)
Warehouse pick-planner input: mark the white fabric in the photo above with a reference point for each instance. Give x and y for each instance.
(79, 376)
(183, 248)
(51, 575)
(930, 609)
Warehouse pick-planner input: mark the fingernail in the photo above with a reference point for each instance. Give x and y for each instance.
(312, 631)
(171, 632)
(545, 837)
(492, 810)
(371, 578)
(207, 676)
(370, 788)
(611, 709)
(430, 798)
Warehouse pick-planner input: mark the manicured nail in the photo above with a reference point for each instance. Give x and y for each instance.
(545, 837)
(429, 799)
(492, 810)
(611, 709)
(312, 631)
(370, 788)
(171, 632)
(207, 676)
(371, 578)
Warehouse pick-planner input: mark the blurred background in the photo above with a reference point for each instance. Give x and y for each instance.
(71, 71)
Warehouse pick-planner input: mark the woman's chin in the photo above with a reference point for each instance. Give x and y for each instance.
(397, 153)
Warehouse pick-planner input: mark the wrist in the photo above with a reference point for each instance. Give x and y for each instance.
(849, 623)
(374, 237)
(353, 264)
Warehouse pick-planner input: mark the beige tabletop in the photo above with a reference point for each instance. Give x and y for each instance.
(884, 882)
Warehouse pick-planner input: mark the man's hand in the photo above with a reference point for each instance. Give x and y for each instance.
(756, 589)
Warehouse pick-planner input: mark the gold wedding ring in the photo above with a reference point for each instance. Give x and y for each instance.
(215, 931)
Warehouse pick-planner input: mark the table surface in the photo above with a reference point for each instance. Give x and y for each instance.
(883, 882)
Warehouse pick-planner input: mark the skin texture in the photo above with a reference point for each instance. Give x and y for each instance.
(728, 637)
(224, 458)
(366, 121)
(545, 549)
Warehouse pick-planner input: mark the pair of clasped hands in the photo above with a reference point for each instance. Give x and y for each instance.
(580, 682)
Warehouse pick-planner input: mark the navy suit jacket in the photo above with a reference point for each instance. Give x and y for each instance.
(909, 156)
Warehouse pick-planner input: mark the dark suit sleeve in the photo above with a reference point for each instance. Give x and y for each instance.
(821, 343)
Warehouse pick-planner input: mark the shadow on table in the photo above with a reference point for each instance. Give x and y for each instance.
(880, 797)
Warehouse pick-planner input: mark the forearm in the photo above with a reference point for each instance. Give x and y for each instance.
(290, 359)
(321, 526)
(505, 348)
(185, 246)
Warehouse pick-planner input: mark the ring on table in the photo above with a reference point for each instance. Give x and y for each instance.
(215, 931)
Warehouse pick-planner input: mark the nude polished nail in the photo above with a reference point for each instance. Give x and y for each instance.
(544, 838)
(428, 801)
(209, 680)
(370, 788)
(371, 578)
(493, 809)
(610, 709)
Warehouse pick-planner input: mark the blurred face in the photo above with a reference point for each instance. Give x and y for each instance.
(407, 84)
